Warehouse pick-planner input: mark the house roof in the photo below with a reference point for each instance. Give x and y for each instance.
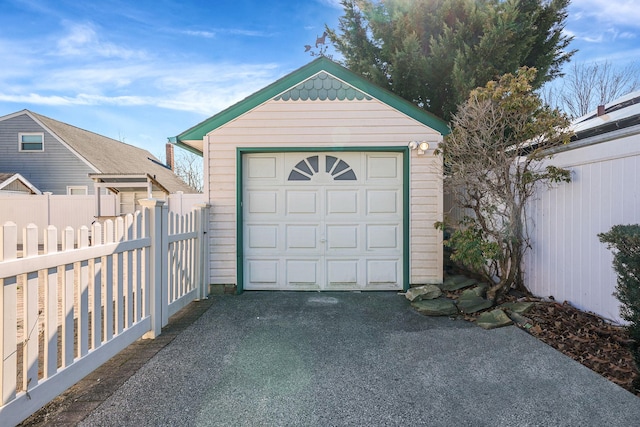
(108, 156)
(621, 113)
(283, 87)
(6, 178)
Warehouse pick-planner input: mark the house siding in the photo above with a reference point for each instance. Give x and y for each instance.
(295, 124)
(50, 170)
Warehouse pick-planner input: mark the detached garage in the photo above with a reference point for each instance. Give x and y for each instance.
(322, 181)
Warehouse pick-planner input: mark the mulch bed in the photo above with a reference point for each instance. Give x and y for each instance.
(586, 338)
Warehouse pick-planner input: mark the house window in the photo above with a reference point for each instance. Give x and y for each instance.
(31, 141)
(77, 190)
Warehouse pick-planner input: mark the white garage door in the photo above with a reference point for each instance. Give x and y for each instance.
(323, 221)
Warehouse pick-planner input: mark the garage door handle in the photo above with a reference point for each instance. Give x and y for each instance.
(323, 240)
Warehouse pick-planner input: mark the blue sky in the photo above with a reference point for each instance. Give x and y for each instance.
(141, 71)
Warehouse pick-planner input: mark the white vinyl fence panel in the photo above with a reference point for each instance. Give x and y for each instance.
(567, 260)
(71, 304)
(75, 211)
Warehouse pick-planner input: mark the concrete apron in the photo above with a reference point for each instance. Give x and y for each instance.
(320, 359)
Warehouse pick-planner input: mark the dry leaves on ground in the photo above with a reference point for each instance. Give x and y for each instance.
(586, 338)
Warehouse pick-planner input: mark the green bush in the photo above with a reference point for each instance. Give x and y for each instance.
(625, 240)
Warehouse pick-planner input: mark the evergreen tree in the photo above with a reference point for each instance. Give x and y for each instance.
(434, 52)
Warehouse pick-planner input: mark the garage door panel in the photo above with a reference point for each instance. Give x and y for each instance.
(302, 202)
(382, 167)
(263, 236)
(383, 202)
(262, 167)
(341, 272)
(302, 272)
(383, 237)
(263, 272)
(302, 237)
(342, 237)
(263, 202)
(342, 202)
(383, 272)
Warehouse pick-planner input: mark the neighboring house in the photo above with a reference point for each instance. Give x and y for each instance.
(319, 182)
(567, 260)
(16, 183)
(62, 159)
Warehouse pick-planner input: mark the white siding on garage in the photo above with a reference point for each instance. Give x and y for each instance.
(295, 124)
(567, 260)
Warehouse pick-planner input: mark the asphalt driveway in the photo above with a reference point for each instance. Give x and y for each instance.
(333, 359)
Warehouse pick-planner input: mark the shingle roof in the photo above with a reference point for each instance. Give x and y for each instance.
(621, 113)
(113, 157)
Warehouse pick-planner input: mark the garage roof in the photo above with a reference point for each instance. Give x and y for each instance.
(278, 88)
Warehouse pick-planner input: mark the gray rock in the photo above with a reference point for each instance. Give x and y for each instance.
(493, 319)
(517, 307)
(454, 283)
(476, 291)
(471, 303)
(436, 307)
(423, 292)
(525, 322)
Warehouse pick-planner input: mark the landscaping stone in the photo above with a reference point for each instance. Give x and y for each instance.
(517, 307)
(423, 293)
(471, 303)
(454, 283)
(436, 307)
(493, 319)
(477, 291)
(525, 322)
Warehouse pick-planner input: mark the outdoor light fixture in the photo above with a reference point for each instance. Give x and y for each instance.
(420, 146)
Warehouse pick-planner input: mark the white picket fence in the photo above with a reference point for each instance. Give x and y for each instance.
(71, 304)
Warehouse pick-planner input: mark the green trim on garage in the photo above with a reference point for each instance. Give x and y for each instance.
(197, 132)
(239, 200)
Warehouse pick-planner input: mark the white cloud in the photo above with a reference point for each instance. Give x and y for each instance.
(332, 3)
(83, 40)
(205, 34)
(205, 89)
(615, 12)
(232, 31)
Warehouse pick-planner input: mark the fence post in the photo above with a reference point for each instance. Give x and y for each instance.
(9, 316)
(202, 255)
(155, 217)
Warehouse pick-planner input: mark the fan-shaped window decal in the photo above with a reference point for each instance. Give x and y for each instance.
(347, 176)
(340, 170)
(306, 168)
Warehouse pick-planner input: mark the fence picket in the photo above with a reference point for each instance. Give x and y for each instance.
(96, 291)
(119, 275)
(67, 302)
(108, 284)
(146, 256)
(181, 256)
(9, 318)
(171, 262)
(129, 293)
(83, 295)
(137, 234)
(30, 312)
(190, 254)
(50, 362)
